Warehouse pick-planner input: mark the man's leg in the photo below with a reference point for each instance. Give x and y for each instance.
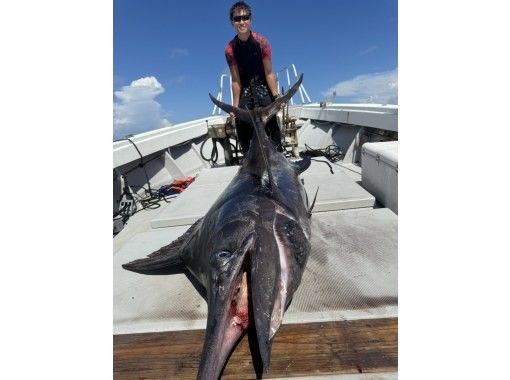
(244, 130)
(272, 128)
(244, 133)
(273, 131)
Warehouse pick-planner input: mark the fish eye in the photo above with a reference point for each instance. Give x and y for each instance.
(221, 258)
(223, 255)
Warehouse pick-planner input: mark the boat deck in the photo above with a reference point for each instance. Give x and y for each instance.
(350, 350)
(342, 320)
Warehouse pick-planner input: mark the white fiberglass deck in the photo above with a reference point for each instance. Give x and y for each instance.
(336, 192)
(351, 274)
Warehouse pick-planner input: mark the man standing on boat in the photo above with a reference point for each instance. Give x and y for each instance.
(253, 81)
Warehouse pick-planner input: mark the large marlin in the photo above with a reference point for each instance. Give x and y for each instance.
(250, 249)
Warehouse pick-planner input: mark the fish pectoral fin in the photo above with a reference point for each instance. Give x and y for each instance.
(301, 165)
(166, 257)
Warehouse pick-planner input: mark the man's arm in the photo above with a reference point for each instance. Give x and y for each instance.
(236, 85)
(270, 77)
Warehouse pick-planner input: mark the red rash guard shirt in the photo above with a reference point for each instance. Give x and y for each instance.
(248, 55)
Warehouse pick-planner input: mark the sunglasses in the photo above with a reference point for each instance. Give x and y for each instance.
(239, 18)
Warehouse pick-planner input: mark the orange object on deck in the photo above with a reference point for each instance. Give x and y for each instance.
(181, 184)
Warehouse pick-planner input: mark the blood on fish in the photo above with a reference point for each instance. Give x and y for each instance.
(239, 305)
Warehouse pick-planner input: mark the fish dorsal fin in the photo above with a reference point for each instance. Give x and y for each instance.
(272, 186)
(167, 257)
(301, 165)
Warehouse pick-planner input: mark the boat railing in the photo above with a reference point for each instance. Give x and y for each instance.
(158, 140)
(286, 70)
(302, 90)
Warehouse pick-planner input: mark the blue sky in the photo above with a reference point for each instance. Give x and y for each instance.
(169, 55)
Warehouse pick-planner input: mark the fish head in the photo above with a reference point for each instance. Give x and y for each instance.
(227, 294)
(252, 277)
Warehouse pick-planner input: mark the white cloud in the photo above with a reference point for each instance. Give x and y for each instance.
(368, 88)
(137, 111)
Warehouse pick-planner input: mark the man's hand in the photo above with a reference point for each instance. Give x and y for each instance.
(232, 118)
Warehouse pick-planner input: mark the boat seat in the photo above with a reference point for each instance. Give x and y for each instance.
(379, 162)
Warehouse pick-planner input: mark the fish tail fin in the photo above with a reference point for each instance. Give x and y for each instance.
(269, 111)
(239, 112)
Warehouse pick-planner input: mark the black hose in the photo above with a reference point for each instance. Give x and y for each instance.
(214, 153)
(327, 163)
(331, 152)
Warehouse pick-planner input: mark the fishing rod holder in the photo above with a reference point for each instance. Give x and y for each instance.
(289, 126)
(222, 133)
